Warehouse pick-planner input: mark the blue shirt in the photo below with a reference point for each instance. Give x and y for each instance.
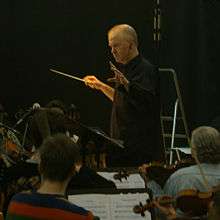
(191, 178)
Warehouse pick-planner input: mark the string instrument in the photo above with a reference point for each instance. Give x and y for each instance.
(160, 172)
(164, 200)
(120, 175)
(11, 150)
(191, 202)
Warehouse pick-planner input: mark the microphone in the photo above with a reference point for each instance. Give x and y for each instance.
(28, 113)
(36, 105)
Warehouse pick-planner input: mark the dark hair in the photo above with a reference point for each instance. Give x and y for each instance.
(58, 154)
(56, 103)
(206, 144)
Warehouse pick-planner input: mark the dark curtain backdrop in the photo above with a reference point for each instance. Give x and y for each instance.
(190, 45)
(70, 36)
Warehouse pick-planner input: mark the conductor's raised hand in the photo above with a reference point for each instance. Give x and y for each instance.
(120, 77)
(93, 82)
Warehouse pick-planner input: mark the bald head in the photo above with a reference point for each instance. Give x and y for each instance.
(122, 40)
(125, 31)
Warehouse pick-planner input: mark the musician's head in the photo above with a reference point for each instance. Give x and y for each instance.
(59, 158)
(57, 105)
(205, 144)
(123, 42)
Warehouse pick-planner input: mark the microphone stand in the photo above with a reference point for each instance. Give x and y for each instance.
(8, 128)
(25, 134)
(26, 115)
(23, 118)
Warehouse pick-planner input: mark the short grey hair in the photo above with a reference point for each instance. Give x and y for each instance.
(205, 143)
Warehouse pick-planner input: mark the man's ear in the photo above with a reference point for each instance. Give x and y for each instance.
(78, 166)
(75, 168)
(132, 45)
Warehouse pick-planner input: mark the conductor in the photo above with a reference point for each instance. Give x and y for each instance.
(135, 117)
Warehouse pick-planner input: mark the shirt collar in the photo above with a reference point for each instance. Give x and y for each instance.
(130, 65)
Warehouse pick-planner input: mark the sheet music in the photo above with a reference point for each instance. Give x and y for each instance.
(134, 181)
(112, 206)
(97, 203)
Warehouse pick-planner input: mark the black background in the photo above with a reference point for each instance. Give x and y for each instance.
(70, 36)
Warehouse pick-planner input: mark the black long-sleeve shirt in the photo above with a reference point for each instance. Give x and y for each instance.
(136, 112)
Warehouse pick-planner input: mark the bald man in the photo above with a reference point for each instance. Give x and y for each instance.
(135, 115)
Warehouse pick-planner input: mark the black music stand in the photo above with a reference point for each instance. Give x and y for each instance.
(99, 137)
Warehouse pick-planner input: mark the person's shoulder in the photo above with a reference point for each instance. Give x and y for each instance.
(77, 208)
(147, 66)
(21, 195)
(181, 179)
(20, 199)
(145, 62)
(74, 209)
(191, 170)
(79, 212)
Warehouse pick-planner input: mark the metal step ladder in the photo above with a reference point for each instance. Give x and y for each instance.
(174, 126)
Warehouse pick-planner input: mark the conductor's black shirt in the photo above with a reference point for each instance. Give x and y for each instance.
(135, 115)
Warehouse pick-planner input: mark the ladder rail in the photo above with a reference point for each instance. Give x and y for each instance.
(177, 87)
(178, 103)
(173, 131)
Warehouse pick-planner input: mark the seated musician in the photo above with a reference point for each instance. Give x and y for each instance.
(51, 120)
(205, 146)
(59, 161)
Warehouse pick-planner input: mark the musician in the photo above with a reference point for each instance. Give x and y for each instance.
(51, 120)
(59, 161)
(205, 148)
(205, 145)
(135, 115)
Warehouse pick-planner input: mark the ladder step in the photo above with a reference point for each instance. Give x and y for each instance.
(176, 136)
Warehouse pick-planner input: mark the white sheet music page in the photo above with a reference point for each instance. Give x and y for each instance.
(97, 203)
(133, 181)
(112, 206)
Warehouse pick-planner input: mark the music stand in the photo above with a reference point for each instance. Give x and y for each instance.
(99, 138)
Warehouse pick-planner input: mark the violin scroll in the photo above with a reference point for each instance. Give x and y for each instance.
(120, 175)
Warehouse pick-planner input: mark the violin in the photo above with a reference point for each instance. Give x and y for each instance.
(163, 201)
(191, 202)
(160, 172)
(120, 175)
